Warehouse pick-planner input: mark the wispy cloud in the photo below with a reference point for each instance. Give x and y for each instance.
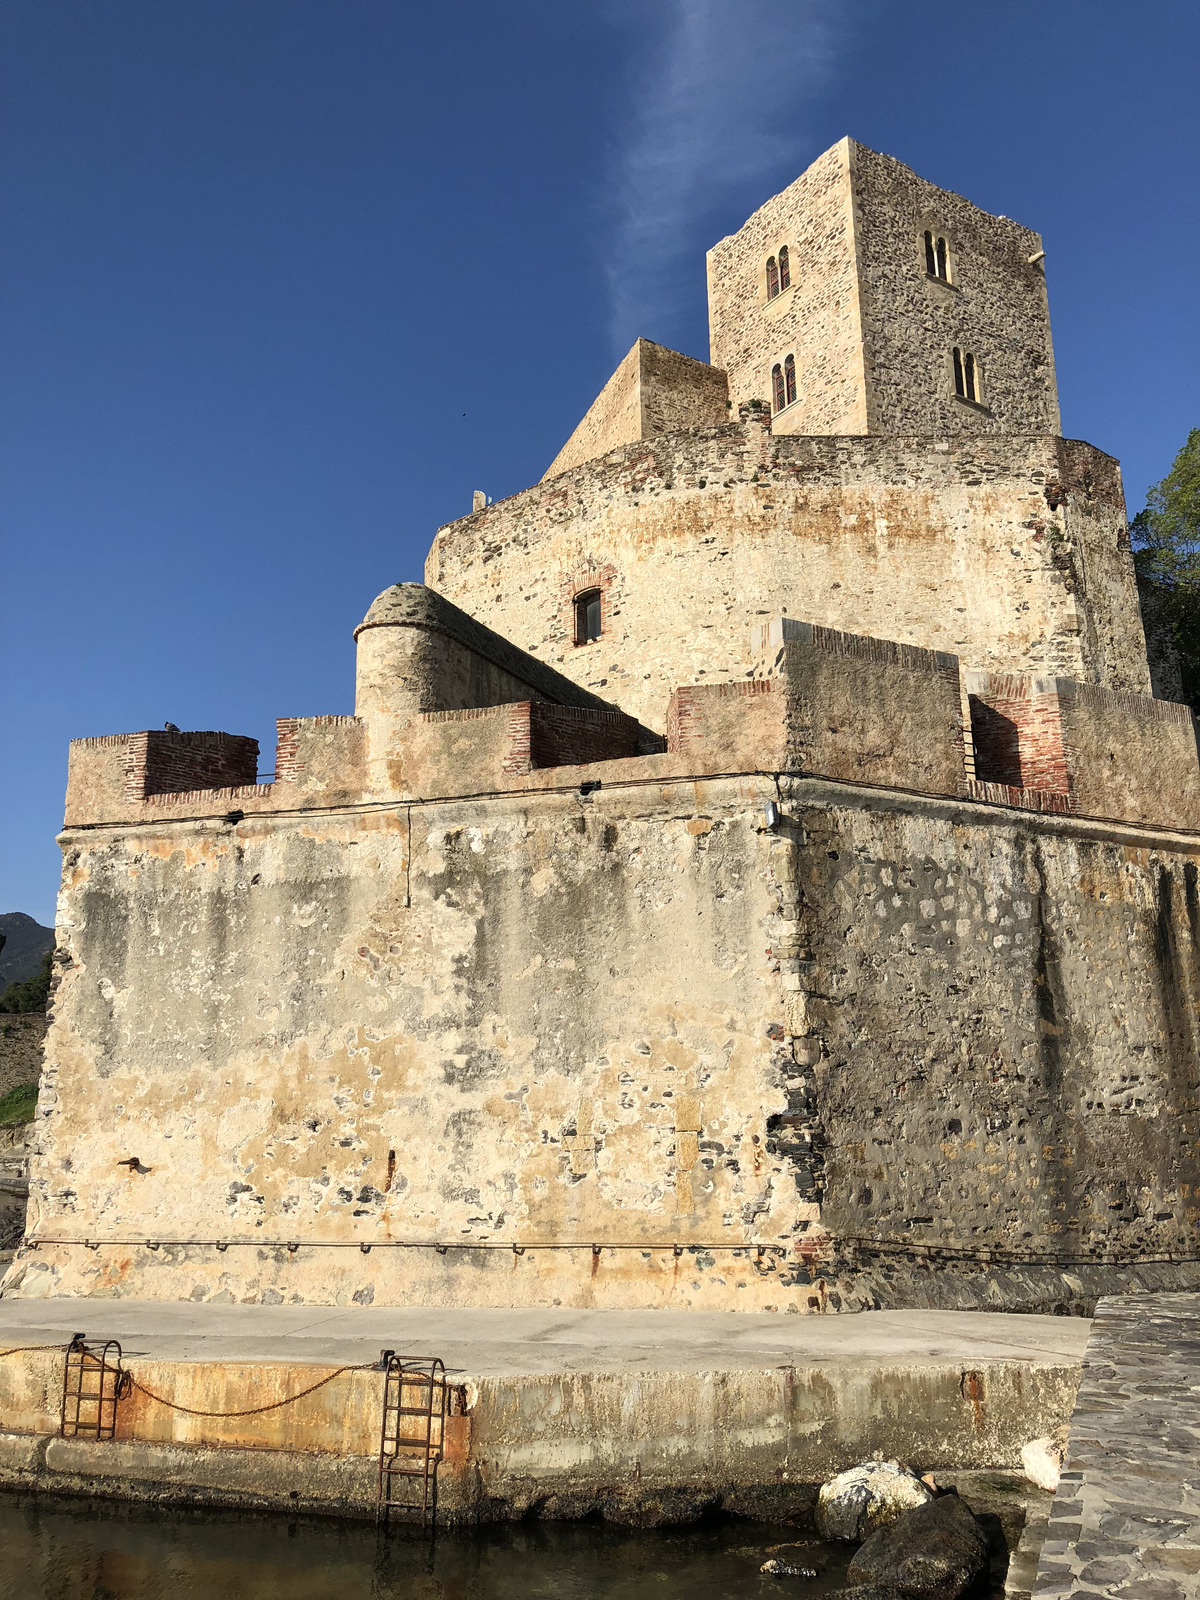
(719, 106)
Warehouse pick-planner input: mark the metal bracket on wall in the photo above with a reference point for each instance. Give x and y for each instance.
(94, 1381)
(412, 1438)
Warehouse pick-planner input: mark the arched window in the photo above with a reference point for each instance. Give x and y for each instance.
(785, 269)
(789, 378)
(967, 377)
(589, 620)
(777, 387)
(937, 256)
(772, 277)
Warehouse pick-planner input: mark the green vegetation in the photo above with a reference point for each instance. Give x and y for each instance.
(1166, 557)
(18, 1105)
(32, 995)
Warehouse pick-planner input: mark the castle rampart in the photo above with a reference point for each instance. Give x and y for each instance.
(1010, 553)
(754, 870)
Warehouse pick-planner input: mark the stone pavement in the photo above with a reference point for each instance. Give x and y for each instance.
(1126, 1518)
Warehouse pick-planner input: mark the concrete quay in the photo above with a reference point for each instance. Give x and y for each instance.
(1126, 1519)
(645, 1416)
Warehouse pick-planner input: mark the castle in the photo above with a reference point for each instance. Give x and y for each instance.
(756, 876)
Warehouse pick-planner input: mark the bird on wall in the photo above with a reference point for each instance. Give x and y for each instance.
(169, 727)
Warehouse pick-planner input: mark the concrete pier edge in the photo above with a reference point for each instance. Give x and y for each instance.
(642, 1416)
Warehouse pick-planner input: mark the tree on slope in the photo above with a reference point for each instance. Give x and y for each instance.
(1166, 558)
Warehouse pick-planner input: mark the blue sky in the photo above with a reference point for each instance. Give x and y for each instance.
(283, 281)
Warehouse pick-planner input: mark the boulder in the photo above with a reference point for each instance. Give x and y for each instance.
(1043, 1458)
(933, 1552)
(871, 1496)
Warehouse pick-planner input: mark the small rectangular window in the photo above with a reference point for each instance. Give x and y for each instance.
(587, 616)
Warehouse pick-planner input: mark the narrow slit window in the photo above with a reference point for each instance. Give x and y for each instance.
(967, 377)
(777, 387)
(772, 277)
(588, 616)
(937, 256)
(789, 379)
(785, 268)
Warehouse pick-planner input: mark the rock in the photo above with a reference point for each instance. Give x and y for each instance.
(657, 1508)
(933, 1552)
(1043, 1458)
(773, 1502)
(871, 1496)
(868, 1591)
(784, 1569)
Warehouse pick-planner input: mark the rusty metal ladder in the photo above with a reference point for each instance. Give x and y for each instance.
(93, 1382)
(412, 1438)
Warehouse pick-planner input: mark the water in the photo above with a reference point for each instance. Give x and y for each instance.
(100, 1550)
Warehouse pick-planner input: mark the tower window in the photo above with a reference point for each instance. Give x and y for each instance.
(966, 376)
(937, 257)
(785, 268)
(772, 277)
(789, 378)
(778, 390)
(588, 619)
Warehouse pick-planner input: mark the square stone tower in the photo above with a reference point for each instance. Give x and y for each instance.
(863, 299)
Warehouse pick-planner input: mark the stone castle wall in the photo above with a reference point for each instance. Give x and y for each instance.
(691, 1028)
(817, 317)
(994, 305)
(653, 391)
(825, 934)
(1011, 553)
(871, 332)
(641, 1020)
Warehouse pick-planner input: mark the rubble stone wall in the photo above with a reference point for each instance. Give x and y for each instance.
(646, 1018)
(993, 305)
(817, 318)
(653, 391)
(1011, 553)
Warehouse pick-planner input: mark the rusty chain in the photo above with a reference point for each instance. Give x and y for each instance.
(252, 1411)
(23, 1349)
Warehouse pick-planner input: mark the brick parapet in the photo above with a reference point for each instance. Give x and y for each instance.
(166, 761)
(290, 761)
(686, 724)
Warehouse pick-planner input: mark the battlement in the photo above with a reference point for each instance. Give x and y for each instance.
(811, 701)
(109, 774)
(1096, 752)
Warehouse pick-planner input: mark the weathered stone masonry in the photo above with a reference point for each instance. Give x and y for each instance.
(824, 934)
